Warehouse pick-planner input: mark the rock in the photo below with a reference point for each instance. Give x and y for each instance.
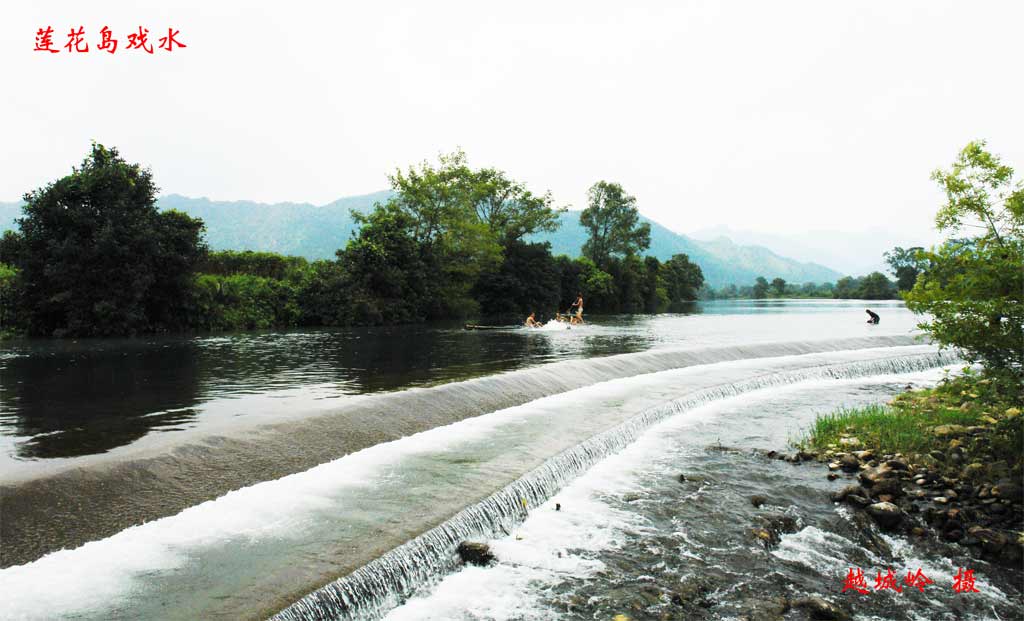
(846, 491)
(692, 590)
(897, 464)
(757, 500)
(849, 442)
(991, 541)
(887, 487)
(872, 476)
(833, 465)
(832, 476)
(864, 455)
(764, 609)
(949, 430)
(765, 536)
(849, 463)
(475, 553)
(973, 471)
(887, 515)
(1008, 491)
(857, 500)
(780, 522)
(937, 455)
(821, 609)
(631, 497)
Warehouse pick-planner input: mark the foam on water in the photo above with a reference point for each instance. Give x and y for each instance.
(532, 557)
(99, 574)
(373, 589)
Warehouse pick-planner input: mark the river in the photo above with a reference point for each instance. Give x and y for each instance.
(330, 473)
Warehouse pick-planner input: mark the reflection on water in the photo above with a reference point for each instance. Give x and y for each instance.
(72, 398)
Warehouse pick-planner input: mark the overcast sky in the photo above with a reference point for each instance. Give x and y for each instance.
(767, 116)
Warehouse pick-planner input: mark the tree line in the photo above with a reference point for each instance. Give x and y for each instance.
(93, 256)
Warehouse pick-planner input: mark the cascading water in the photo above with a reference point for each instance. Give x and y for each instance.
(383, 583)
(44, 512)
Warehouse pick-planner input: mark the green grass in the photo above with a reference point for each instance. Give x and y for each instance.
(906, 424)
(886, 429)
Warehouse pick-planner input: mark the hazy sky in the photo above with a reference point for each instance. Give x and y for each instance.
(768, 116)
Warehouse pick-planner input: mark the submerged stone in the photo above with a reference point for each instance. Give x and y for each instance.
(476, 553)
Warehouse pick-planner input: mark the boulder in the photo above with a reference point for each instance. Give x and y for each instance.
(871, 476)
(896, 464)
(475, 553)
(973, 471)
(1008, 491)
(887, 487)
(757, 500)
(764, 609)
(887, 515)
(857, 500)
(849, 463)
(846, 491)
(822, 609)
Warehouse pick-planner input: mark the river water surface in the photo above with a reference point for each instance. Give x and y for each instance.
(330, 474)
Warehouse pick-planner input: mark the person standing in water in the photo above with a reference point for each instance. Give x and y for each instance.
(531, 321)
(578, 305)
(872, 316)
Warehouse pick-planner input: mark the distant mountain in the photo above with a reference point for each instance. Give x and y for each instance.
(721, 261)
(316, 232)
(288, 228)
(854, 253)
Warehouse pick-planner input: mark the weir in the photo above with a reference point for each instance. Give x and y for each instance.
(81, 500)
(373, 589)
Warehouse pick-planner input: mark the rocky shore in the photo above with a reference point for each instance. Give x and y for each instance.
(960, 495)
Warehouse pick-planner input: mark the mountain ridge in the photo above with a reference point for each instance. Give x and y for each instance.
(316, 232)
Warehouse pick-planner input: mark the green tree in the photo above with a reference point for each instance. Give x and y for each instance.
(528, 280)
(388, 274)
(10, 298)
(596, 285)
(760, 288)
(655, 293)
(971, 294)
(905, 265)
(846, 288)
(682, 278)
(778, 287)
(96, 256)
(875, 286)
(509, 209)
(454, 243)
(613, 224)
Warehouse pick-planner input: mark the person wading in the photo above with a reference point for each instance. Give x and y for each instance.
(872, 316)
(578, 305)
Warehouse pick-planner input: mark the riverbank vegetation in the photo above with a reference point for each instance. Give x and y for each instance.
(920, 424)
(956, 449)
(874, 286)
(94, 257)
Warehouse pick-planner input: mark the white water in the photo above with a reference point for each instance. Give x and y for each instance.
(206, 560)
(555, 546)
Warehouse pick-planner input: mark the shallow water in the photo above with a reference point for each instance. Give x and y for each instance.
(630, 535)
(240, 516)
(67, 399)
